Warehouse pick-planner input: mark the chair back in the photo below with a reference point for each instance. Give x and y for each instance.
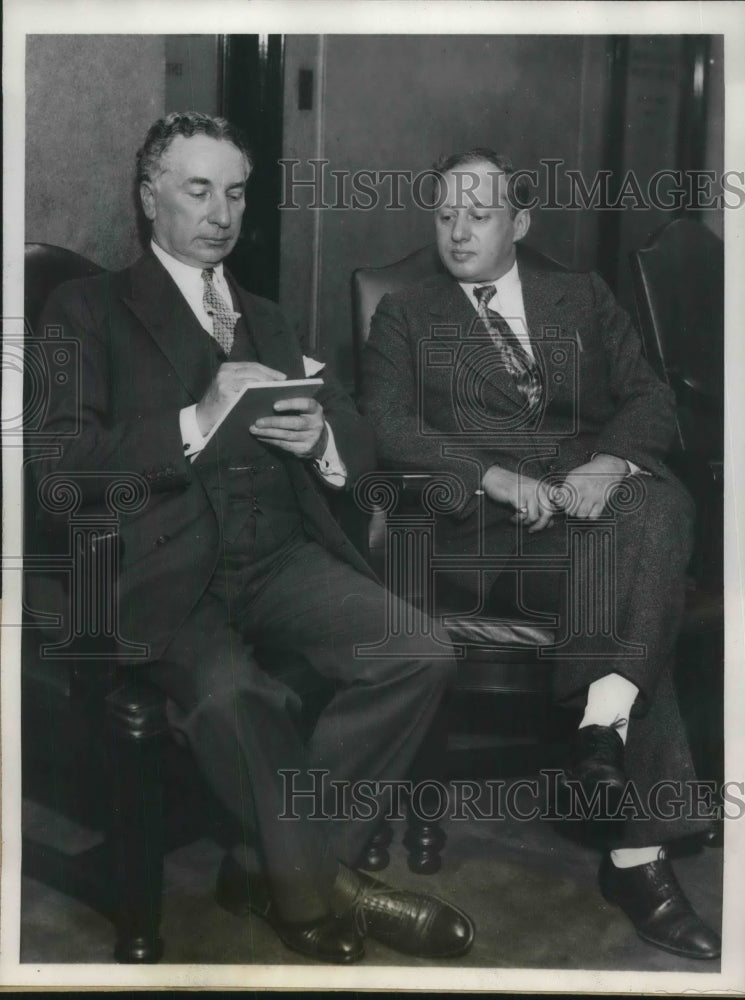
(370, 284)
(46, 267)
(679, 291)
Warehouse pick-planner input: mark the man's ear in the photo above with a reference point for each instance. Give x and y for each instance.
(147, 197)
(521, 223)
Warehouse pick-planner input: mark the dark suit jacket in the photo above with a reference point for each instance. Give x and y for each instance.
(144, 358)
(439, 403)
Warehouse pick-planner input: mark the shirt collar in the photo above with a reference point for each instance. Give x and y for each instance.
(180, 272)
(506, 283)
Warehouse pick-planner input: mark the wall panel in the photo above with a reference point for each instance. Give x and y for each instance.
(387, 102)
(89, 102)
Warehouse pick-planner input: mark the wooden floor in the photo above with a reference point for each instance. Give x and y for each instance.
(530, 891)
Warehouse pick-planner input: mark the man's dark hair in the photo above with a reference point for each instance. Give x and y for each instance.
(518, 193)
(186, 123)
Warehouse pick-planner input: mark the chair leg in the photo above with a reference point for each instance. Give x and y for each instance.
(425, 838)
(135, 732)
(375, 856)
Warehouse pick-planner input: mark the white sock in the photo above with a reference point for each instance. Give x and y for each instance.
(609, 702)
(629, 857)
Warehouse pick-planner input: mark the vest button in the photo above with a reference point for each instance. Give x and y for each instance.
(162, 539)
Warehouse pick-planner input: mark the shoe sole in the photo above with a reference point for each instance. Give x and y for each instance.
(677, 951)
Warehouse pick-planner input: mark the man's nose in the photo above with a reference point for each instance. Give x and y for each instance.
(460, 231)
(219, 213)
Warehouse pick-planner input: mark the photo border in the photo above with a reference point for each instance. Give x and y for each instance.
(24, 17)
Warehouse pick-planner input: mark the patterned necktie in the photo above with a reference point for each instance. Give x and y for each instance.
(223, 317)
(515, 358)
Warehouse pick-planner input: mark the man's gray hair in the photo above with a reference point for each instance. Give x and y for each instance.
(186, 123)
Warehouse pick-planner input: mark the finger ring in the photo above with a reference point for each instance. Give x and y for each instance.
(522, 510)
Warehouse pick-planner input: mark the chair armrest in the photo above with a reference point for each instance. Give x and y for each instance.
(697, 471)
(80, 543)
(121, 698)
(137, 710)
(716, 470)
(432, 492)
(388, 496)
(693, 393)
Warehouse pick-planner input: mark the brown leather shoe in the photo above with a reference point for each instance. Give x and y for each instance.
(410, 922)
(329, 939)
(653, 900)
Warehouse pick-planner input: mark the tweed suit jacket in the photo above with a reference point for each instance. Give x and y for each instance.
(143, 358)
(440, 402)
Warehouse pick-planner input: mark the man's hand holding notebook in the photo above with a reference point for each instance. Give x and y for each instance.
(250, 398)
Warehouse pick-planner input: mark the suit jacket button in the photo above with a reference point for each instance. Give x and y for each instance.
(162, 539)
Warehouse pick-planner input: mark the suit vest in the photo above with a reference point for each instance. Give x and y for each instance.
(257, 504)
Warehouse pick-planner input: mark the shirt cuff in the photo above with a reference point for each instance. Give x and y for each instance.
(191, 436)
(330, 465)
(633, 469)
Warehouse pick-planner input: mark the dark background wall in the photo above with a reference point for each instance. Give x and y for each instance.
(393, 102)
(375, 102)
(89, 102)
(397, 102)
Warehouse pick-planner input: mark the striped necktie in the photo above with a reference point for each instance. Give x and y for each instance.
(223, 317)
(515, 358)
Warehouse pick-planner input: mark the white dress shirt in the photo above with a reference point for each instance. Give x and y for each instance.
(190, 284)
(508, 302)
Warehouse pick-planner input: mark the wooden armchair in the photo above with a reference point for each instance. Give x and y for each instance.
(500, 658)
(70, 685)
(96, 741)
(679, 292)
(498, 710)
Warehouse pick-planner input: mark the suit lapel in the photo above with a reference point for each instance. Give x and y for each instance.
(546, 302)
(272, 349)
(156, 301)
(450, 306)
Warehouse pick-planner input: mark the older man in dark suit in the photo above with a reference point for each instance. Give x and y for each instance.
(234, 564)
(528, 383)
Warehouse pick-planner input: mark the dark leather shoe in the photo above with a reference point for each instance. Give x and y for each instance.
(596, 762)
(328, 939)
(652, 899)
(410, 922)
